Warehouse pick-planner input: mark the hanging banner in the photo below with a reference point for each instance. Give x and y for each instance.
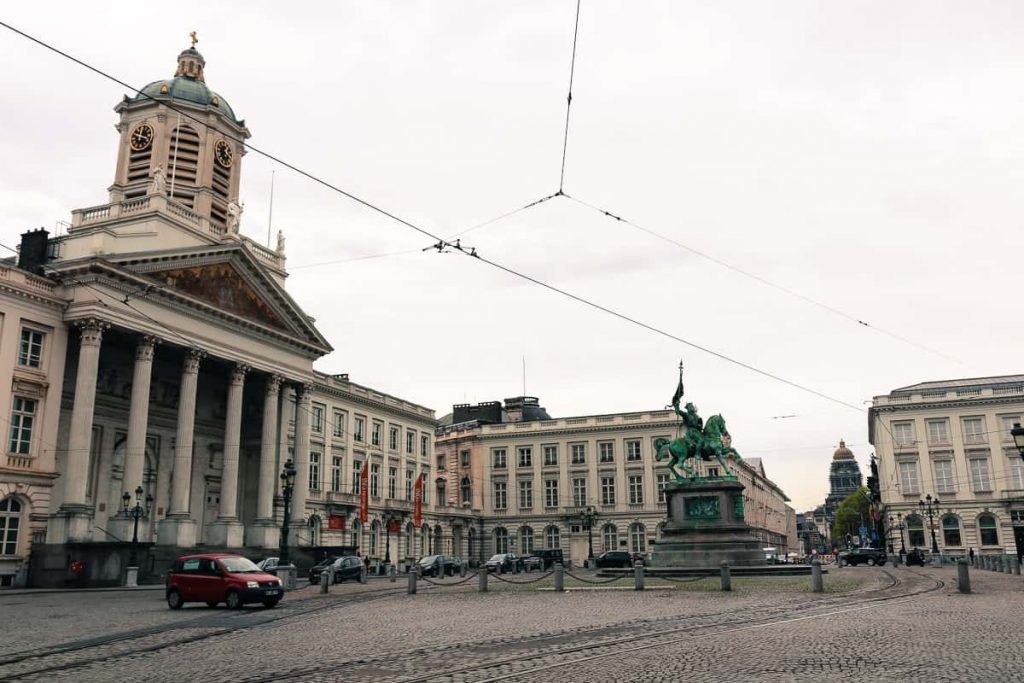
(336, 523)
(417, 503)
(395, 526)
(364, 493)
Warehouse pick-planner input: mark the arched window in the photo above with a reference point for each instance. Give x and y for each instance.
(951, 531)
(315, 527)
(915, 531)
(10, 522)
(465, 491)
(357, 526)
(988, 530)
(637, 538)
(471, 540)
(526, 540)
(438, 540)
(374, 537)
(610, 537)
(552, 537)
(424, 540)
(442, 496)
(500, 535)
(410, 531)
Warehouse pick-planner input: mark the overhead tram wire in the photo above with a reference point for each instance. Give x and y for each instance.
(763, 281)
(568, 102)
(442, 245)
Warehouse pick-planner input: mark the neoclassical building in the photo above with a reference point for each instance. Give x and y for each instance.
(951, 440)
(525, 480)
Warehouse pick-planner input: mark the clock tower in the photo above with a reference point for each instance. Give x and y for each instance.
(181, 139)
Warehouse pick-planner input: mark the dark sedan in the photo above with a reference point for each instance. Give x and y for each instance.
(345, 568)
(438, 565)
(614, 558)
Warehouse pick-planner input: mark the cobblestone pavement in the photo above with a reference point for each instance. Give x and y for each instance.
(900, 624)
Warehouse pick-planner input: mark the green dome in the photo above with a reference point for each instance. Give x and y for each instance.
(189, 89)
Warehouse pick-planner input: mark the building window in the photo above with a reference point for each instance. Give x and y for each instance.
(636, 489)
(22, 421)
(375, 435)
(713, 472)
(318, 419)
(944, 476)
(988, 529)
(375, 480)
(552, 537)
(550, 455)
(915, 531)
(938, 432)
(637, 538)
(1007, 422)
(10, 519)
(908, 478)
(464, 458)
(500, 495)
(426, 489)
(550, 493)
(579, 492)
(525, 456)
(500, 540)
(606, 451)
(662, 483)
(360, 429)
(357, 468)
(903, 434)
(336, 470)
(974, 430)
(526, 540)
(1016, 472)
(393, 438)
(442, 491)
(339, 424)
(525, 494)
(498, 459)
(1017, 515)
(392, 482)
(609, 537)
(633, 450)
(314, 471)
(579, 453)
(607, 490)
(410, 478)
(440, 463)
(374, 535)
(951, 531)
(424, 444)
(465, 491)
(410, 442)
(30, 352)
(980, 479)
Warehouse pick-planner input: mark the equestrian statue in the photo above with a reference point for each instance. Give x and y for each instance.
(699, 441)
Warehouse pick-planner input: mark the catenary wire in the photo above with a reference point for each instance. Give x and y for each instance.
(568, 100)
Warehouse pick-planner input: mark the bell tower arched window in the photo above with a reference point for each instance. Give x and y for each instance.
(183, 165)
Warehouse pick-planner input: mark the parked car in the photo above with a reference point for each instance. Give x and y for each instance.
(216, 578)
(506, 562)
(614, 558)
(532, 562)
(345, 568)
(438, 565)
(549, 557)
(868, 556)
(268, 563)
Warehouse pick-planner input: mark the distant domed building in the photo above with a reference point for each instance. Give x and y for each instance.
(844, 478)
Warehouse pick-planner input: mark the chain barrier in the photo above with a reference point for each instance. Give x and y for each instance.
(598, 583)
(539, 578)
(687, 580)
(445, 583)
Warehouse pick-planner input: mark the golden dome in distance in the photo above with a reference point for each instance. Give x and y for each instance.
(843, 453)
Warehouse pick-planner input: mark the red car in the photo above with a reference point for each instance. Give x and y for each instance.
(217, 578)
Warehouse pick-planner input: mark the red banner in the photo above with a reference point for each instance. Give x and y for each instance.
(417, 503)
(336, 522)
(395, 526)
(364, 493)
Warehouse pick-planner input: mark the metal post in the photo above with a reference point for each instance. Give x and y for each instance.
(462, 569)
(482, 575)
(726, 578)
(638, 575)
(1007, 566)
(324, 582)
(413, 575)
(559, 577)
(963, 577)
(363, 571)
(392, 573)
(1016, 565)
(817, 583)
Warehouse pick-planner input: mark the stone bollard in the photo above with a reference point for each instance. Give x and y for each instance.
(726, 578)
(559, 577)
(462, 570)
(1007, 566)
(325, 579)
(413, 576)
(638, 575)
(963, 577)
(363, 574)
(131, 578)
(817, 583)
(392, 573)
(984, 561)
(482, 576)
(1016, 565)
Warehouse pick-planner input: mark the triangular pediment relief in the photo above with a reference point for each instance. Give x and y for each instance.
(221, 286)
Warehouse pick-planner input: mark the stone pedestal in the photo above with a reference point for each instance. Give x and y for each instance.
(131, 579)
(226, 534)
(705, 527)
(179, 531)
(71, 523)
(263, 534)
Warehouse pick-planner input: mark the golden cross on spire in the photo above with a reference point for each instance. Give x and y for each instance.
(194, 39)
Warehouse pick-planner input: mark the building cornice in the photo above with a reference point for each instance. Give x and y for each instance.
(323, 388)
(534, 434)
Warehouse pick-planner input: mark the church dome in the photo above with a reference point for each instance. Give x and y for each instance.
(843, 453)
(188, 84)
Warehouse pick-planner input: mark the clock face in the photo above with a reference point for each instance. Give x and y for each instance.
(142, 137)
(224, 154)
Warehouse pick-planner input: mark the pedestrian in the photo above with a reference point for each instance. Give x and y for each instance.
(970, 553)
(366, 561)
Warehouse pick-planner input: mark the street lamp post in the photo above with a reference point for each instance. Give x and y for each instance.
(136, 512)
(287, 485)
(387, 539)
(1018, 437)
(588, 521)
(930, 507)
(898, 526)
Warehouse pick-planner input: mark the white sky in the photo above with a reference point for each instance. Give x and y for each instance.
(868, 155)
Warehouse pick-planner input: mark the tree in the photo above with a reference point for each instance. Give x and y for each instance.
(853, 513)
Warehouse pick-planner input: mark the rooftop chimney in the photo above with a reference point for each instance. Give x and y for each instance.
(32, 254)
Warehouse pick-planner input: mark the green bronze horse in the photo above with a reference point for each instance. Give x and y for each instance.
(701, 441)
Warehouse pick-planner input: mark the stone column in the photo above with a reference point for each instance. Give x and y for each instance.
(301, 492)
(138, 417)
(264, 532)
(227, 530)
(73, 521)
(178, 528)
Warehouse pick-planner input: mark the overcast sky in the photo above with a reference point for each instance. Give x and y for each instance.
(867, 155)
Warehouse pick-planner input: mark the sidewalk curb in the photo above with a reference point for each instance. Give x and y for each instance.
(13, 592)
